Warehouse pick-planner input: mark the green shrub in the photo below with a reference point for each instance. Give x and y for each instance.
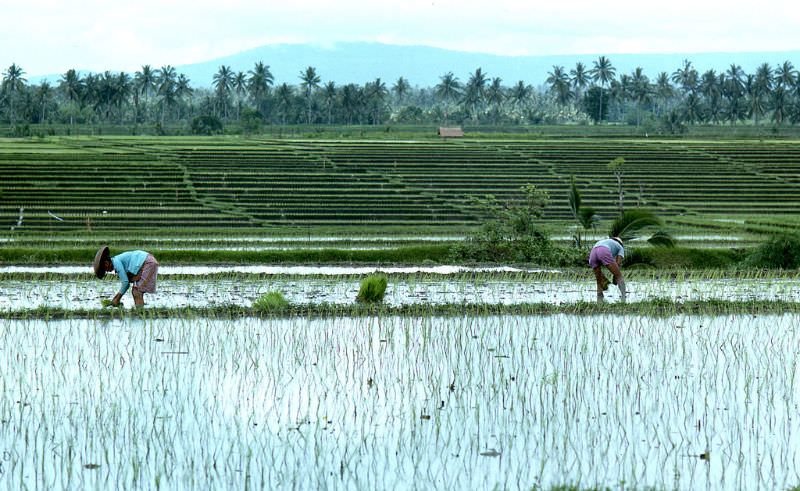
(373, 289)
(206, 125)
(681, 257)
(271, 302)
(779, 252)
(534, 250)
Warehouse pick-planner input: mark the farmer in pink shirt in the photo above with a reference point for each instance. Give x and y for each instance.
(608, 253)
(137, 267)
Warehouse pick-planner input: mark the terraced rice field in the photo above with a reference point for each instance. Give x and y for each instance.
(224, 184)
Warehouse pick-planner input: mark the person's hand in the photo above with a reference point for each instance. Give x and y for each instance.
(109, 303)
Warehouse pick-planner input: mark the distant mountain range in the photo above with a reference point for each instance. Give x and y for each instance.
(423, 65)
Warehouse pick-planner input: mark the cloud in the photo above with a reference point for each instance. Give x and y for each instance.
(48, 36)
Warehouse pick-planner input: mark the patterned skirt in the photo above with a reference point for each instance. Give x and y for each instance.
(148, 275)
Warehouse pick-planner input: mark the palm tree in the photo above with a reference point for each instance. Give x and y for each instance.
(736, 110)
(779, 103)
(376, 93)
(166, 89)
(309, 82)
(183, 91)
(475, 91)
(223, 84)
(755, 96)
(641, 90)
(105, 95)
(664, 91)
(13, 84)
(240, 89)
(400, 89)
(686, 77)
(447, 90)
(329, 94)
(735, 75)
(579, 78)
(786, 75)
(258, 85)
(559, 85)
(693, 108)
(764, 78)
(90, 91)
(733, 91)
(351, 101)
(712, 91)
(144, 84)
(72, 87)
(519, 94)
(285, 95)
(44, 99)
(495, 94)
(621, 91)
(602, 72)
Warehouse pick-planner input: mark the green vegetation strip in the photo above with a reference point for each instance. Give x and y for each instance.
(563, 274)
(84, 255)
(656, 307)
(645, 257)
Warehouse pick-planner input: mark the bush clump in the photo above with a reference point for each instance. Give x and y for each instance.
(779, 252)
(373, 288)
(272, 302)
(206, 125)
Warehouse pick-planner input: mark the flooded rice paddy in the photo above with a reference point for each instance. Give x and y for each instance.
(72, 293)
(269, 269)
(501, 402)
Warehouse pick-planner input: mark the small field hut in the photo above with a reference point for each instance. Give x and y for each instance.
(453, 132)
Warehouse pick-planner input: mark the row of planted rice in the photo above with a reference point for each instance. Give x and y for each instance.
(100, 191)
(454, 172)
(673, 177)
(293, 184)
(192, 183)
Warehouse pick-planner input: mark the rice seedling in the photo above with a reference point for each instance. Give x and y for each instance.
(272, 302)
(464, 401)
(373, 289)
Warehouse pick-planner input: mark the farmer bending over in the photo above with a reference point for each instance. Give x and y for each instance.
(608, 253)
(137, 267)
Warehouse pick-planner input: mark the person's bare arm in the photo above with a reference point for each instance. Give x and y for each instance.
(117, 298)
(619, 260)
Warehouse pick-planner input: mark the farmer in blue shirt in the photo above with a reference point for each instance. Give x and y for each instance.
(137, 267)
(608, 253)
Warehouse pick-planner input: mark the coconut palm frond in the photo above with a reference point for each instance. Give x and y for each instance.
(661, 238)
(587, 216)
(630, 224)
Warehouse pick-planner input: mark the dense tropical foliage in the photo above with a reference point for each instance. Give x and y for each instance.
(157, 97)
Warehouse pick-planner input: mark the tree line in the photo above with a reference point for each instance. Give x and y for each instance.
(582, 94)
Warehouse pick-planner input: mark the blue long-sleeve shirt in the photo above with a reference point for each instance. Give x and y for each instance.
(129, 262)
(614, 246)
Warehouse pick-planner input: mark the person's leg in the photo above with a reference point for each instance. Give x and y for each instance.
(138, 298)
(147, 282)
(619, 280)
(601, 283)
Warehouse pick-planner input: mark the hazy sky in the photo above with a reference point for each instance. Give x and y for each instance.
(46, 37)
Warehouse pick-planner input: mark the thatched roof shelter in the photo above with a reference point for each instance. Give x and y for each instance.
(454, 132)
